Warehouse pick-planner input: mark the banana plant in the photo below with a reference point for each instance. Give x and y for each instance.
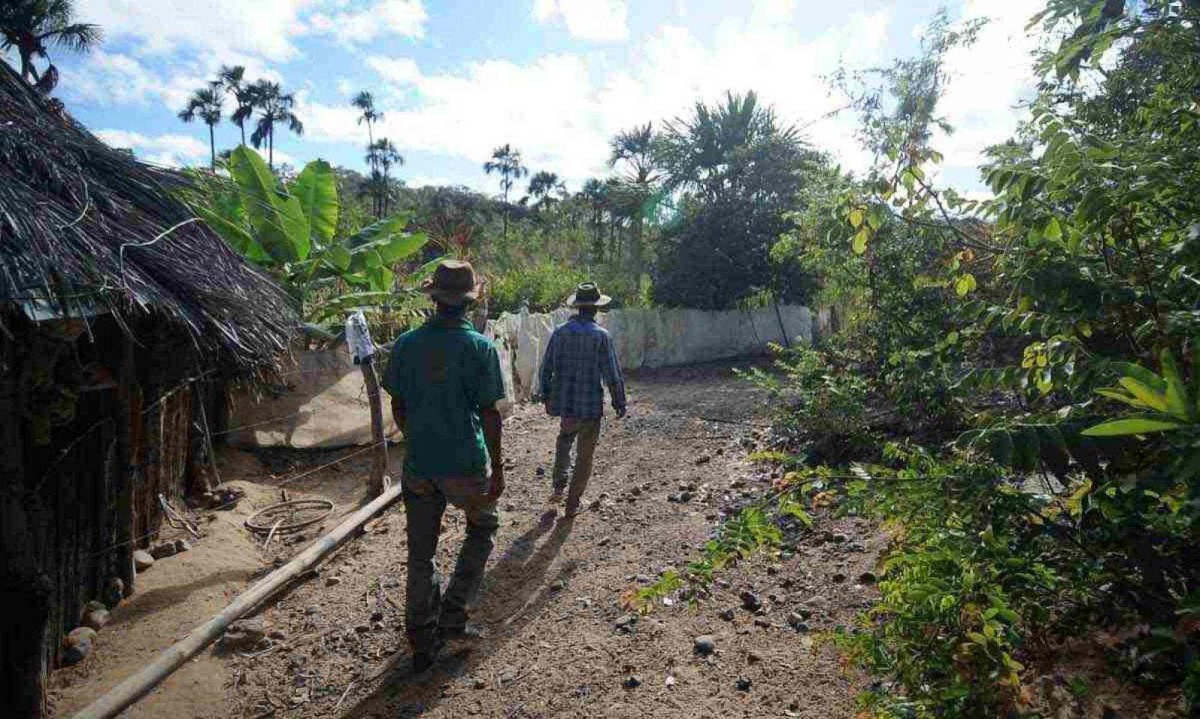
(291, 232)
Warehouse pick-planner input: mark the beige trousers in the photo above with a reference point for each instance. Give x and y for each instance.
(582, 435)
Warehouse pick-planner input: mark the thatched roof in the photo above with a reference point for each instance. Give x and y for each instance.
(85, 228)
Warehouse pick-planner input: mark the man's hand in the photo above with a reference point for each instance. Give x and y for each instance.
(620, 412)
(496, 487)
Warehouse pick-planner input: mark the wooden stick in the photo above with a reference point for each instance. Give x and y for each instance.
(379, 457)
(173, 657)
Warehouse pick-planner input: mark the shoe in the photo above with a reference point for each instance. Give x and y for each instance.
(423, 661)
(468, 632)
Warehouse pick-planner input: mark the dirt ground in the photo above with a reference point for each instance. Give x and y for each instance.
(559, 641)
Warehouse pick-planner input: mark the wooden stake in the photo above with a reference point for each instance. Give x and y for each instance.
(173, 657)
(379, 458)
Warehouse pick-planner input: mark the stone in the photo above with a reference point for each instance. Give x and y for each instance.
(670, 681)
(78, 645)
(244, 633)
(750, 601)
(277, 635)
(801, 627)
(801, 614)
(114, 591)
(164, 550)
(311, 611)
(856, 547)
(377, 616)
(142, 560)
(742, 684)
(182, 545)
(753, 657)
(540, 471)
(704, 645)
(558, 586)
(727, 614)
(840, 538)
(96, 619)
(626, 622)
(763, 622)
(362, 628)
(867, 578)
(332, 581)
(633, 681)
(703, 459)
(603, 542)
(837, 578)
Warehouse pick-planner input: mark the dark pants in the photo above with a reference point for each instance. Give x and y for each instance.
(581, 435)
(428, 607)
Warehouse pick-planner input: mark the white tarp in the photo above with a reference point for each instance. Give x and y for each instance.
(326, 402)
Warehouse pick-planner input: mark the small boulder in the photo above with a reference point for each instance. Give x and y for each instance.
(164, 550)
(727, 614)
(750, 601)
(244, 633)
(763, 622)
(704, 645)
(142, 560)
(78, 645)
(96, 619)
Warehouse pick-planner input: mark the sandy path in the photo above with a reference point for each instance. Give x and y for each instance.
(551, 601)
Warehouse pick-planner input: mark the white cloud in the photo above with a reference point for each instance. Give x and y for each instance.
(259, 27)
(398, 70)
(600, 20)
(405, 18)
(560, 110)
(988, 81)
(171, 150)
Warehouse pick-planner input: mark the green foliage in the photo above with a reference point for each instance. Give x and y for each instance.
(972, 571)
(292, 233)
(739, 171)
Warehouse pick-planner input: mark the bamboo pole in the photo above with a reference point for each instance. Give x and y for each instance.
(173, 657)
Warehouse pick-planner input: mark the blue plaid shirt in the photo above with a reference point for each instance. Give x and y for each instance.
(579, 356)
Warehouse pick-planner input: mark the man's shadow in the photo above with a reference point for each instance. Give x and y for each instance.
(515, 591)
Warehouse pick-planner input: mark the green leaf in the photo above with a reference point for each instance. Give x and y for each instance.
(1000, 444)
(339, 257)
(860, 240)
(315, 188)
(1121, 427)
(1145, 395)
(1053, 230)
(965, 284)
(856, 217)
(234, 234)
(279, 223)
(1177, 396)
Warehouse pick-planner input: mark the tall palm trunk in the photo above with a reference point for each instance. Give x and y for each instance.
(271, 147)
(242, 127)
(212, 148)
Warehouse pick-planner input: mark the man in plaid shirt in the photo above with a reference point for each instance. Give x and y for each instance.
(578, 358)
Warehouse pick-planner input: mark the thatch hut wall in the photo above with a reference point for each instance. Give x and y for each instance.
(121, 316)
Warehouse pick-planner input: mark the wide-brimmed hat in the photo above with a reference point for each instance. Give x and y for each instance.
(453, 283)
(588, 294)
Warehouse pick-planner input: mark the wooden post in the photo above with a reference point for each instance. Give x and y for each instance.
(173, 657)
(379, 458)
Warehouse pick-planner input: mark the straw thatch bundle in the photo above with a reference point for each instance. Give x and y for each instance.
(85, 228)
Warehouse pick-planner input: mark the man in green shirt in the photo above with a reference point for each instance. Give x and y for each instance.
(445, 381)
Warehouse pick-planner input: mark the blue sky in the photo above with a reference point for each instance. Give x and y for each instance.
(556, 78)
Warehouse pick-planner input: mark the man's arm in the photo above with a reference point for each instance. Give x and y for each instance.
(493, 425)
(546, 376)
(400, 414)
(610, 369)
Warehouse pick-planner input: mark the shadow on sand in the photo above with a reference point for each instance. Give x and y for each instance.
(515, 591)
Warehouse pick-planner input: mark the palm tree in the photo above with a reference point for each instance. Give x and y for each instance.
(383, 154)
(542, 184)
(365, 102)
(507, 162)
(233, 80)
(593, 195)
(32, 25)
(634, 148)
(274, 106)
(205, 104)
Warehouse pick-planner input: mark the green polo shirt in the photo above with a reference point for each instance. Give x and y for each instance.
(445, 372)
